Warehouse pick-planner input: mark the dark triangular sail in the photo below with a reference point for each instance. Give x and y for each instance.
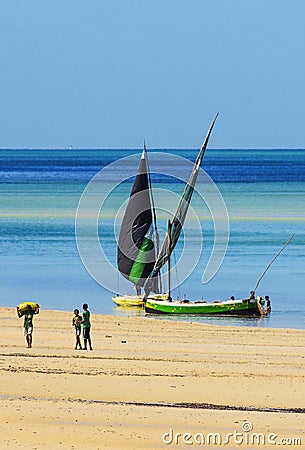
(136, 250)
(179, 216)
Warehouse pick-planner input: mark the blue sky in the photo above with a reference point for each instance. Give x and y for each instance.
(108, 74)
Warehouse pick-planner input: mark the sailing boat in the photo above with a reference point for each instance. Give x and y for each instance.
(248, 306)
(136, 247)
(245, 307)
(169, 306)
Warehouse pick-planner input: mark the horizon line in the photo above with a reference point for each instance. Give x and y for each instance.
(150, 149)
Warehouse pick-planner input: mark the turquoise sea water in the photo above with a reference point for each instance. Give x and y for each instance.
(264, 192)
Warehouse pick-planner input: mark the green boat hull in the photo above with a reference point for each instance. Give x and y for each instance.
(244, 307)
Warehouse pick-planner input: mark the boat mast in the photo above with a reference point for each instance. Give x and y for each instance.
(169, 230)
(154, 213)
(180, 214)
(272, 261)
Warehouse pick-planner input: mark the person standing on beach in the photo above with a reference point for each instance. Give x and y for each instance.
(86, 327)
(28, 323)
(76, 322)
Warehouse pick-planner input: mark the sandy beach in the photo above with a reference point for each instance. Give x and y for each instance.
(150, 384)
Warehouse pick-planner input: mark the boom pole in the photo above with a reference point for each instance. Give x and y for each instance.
(272, 261)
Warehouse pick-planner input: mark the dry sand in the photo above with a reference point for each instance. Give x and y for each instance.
(146, 377)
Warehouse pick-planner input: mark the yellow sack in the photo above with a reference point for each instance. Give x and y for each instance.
(23, 306)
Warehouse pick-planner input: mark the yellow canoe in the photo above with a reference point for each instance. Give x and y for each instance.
(135, 300)
(128, 300)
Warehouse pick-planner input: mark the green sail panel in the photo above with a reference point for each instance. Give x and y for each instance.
(139, 264)
(136, 250)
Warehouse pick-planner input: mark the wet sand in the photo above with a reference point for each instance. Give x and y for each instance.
(150, 384)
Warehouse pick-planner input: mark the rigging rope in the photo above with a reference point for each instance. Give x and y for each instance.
(178, 284)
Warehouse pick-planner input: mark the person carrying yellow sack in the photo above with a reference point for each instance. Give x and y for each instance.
(28, 312)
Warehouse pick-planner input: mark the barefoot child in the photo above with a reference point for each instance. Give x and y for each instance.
(86, 326)
(76, 322)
